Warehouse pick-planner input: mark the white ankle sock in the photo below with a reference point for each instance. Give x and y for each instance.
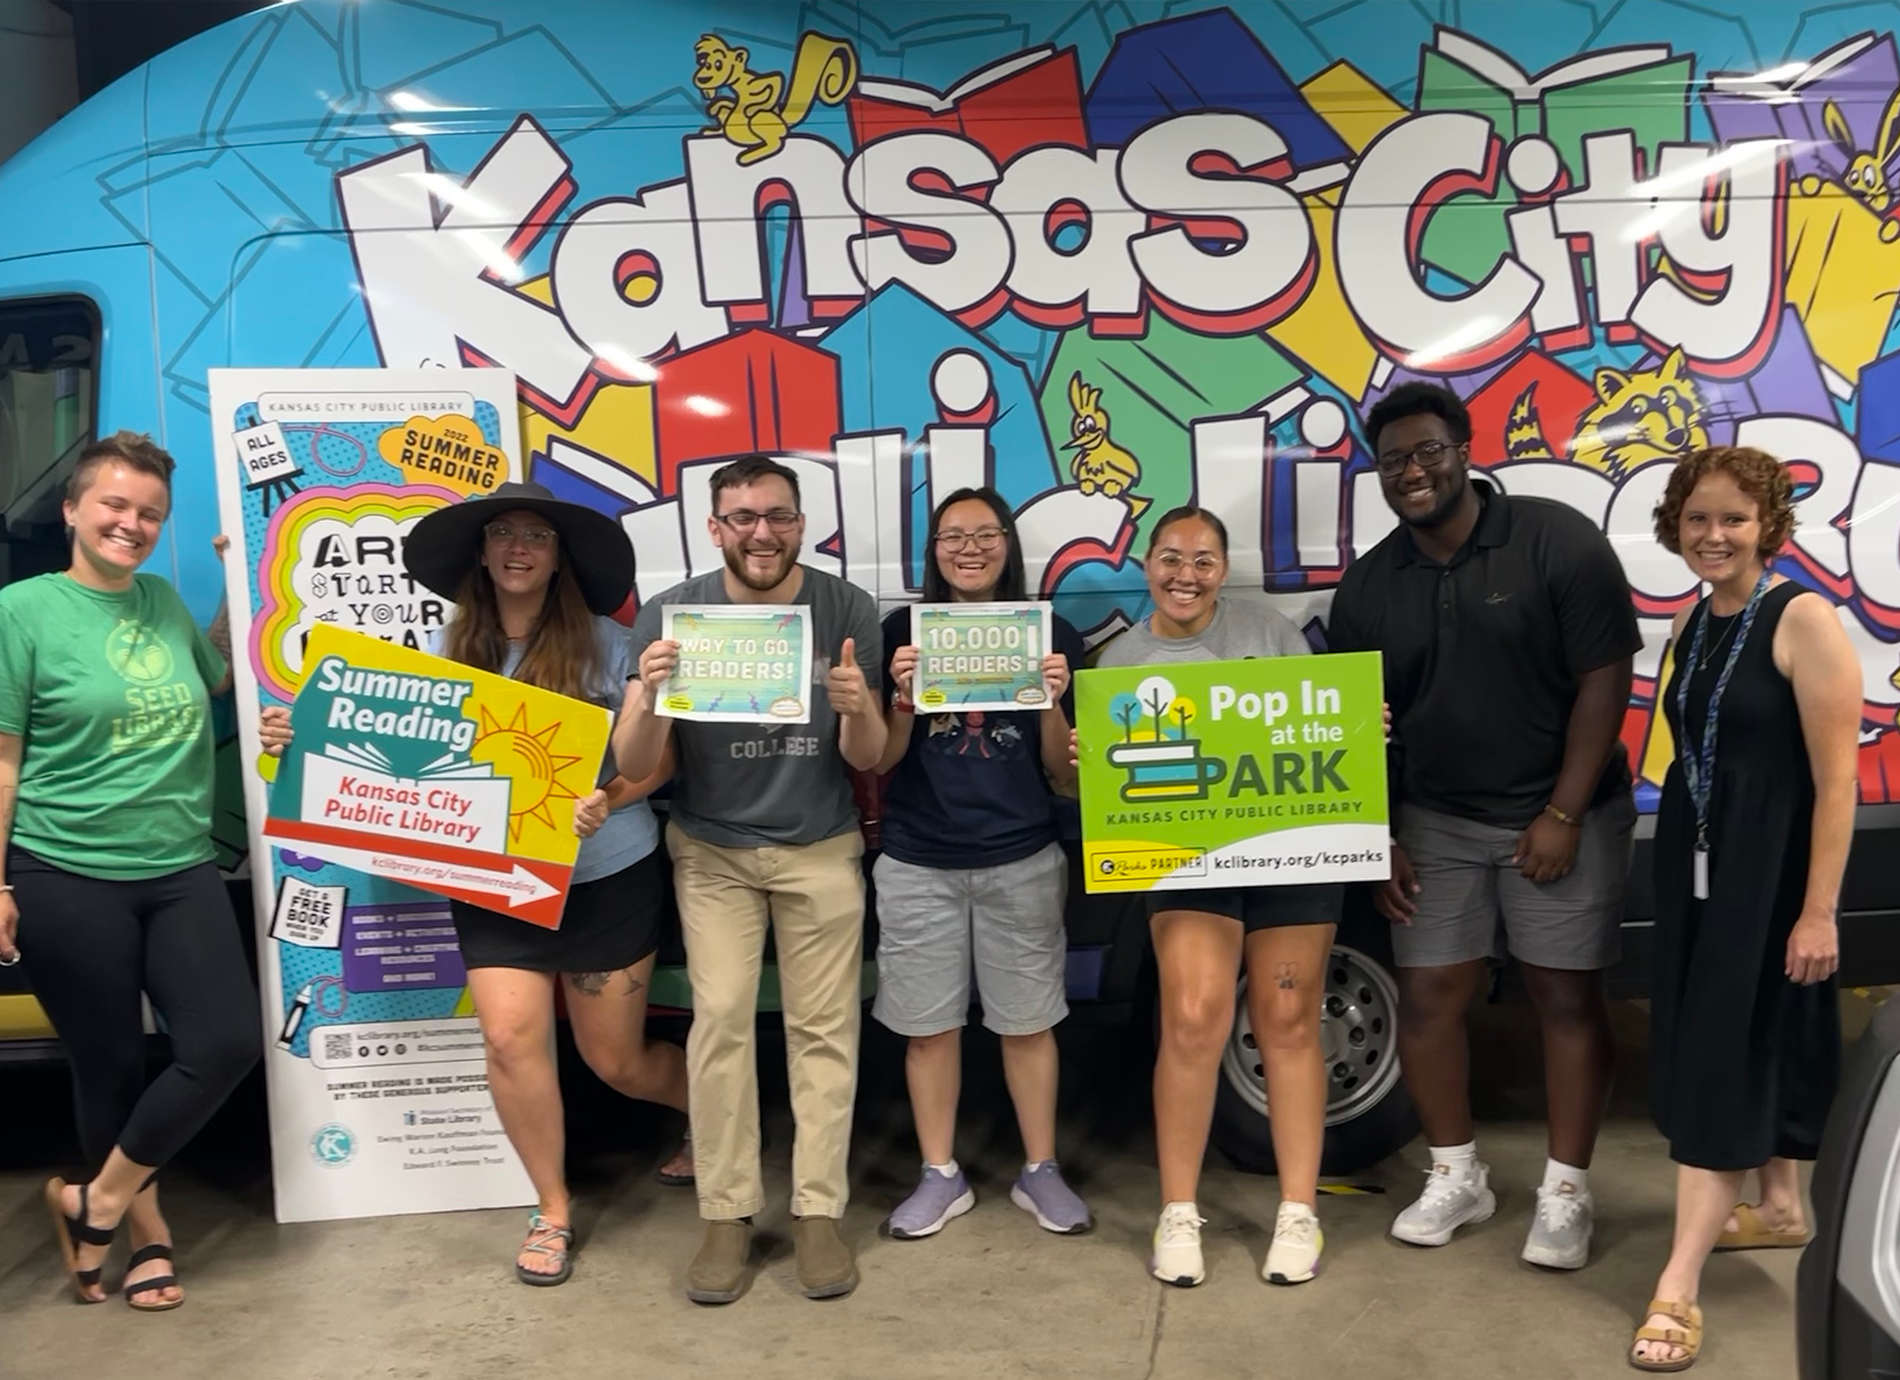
(1557, 1173)
(949, 1171)
(1461, 1160)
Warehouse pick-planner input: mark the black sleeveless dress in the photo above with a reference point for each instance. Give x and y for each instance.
(1743, 1062)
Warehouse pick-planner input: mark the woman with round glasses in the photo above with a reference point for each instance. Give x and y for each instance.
(1282, 934)
(533, 579)
(971, 874)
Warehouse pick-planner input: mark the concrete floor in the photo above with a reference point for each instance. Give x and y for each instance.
(427, 1297)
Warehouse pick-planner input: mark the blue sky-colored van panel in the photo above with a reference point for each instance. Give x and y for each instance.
(225, 154)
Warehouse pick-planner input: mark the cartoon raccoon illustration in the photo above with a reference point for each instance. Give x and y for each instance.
(1640, 417)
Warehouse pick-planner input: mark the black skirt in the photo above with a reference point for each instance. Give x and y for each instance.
(610, 923)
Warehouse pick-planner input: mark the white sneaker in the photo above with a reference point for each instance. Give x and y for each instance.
(1177, 1246)
(1293, 1258)
(1451, 1200)
(1560, 1229)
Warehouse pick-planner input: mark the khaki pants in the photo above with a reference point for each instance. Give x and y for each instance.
(813, 896)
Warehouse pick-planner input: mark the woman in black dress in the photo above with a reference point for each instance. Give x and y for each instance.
(1751, 842)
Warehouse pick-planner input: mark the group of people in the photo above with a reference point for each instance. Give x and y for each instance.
(1508, 636)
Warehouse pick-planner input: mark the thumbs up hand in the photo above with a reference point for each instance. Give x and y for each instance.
(845, 685)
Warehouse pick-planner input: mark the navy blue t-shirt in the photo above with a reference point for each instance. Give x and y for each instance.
(970, 790)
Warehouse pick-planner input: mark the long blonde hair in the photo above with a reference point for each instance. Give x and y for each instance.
(562, 655)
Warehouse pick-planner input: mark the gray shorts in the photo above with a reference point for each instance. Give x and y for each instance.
(936, 923)
(1474, 903)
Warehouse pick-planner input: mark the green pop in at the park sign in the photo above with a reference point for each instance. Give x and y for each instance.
(1265, 772)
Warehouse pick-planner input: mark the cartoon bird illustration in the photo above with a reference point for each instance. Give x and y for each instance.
(1099, 463)
(1866, 175)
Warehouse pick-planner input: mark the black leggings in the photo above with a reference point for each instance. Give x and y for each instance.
(90, 948)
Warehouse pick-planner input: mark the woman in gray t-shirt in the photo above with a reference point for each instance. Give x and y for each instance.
(1284, 934)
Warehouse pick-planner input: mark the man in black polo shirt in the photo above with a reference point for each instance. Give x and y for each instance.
(1508, 633)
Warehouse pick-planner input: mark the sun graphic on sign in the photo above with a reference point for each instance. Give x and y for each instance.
(525, 757)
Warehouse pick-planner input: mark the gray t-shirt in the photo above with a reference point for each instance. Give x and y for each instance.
(1239, 629)
(755, 785)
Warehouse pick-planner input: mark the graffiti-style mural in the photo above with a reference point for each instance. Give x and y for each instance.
(1107, 257)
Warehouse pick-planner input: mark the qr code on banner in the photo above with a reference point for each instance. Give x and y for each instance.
(337, 1047)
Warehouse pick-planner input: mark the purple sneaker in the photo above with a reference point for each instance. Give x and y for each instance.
(1042, 1192)
(937, 1198)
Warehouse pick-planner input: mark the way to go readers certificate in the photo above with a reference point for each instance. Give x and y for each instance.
(739, 663)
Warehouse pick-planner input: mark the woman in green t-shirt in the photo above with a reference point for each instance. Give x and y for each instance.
(107, 885)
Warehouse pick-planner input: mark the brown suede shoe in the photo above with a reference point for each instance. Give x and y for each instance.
(826, 1269)
(721, 1270)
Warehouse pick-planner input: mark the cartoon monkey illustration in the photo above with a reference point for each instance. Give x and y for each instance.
(1099, 463)
(760, 112)
(1866, 175)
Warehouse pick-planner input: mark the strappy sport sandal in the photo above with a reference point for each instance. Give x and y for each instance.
(74, 1232)
(542, 1236)
(1688, 1336)
(144, 1255)
(1752, 1233)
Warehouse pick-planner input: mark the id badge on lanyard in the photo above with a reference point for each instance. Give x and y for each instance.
(1698, 763)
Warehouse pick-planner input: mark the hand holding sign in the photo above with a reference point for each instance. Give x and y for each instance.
(904, 670)
(657, 663)
(590, 812)
(1055, 677)
(273, 730)
(845, 684)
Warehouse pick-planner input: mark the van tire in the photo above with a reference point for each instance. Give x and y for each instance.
(1369, 1117)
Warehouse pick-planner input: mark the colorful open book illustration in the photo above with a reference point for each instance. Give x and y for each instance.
(1643, 90)
(1026, 100)
(1858, 76)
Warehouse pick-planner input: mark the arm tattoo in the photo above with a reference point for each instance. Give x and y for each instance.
(219, 633)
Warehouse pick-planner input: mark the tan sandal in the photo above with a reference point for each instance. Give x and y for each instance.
(1688, 1336)
(1752, 1233)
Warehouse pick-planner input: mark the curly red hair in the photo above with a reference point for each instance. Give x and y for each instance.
(1756, 473)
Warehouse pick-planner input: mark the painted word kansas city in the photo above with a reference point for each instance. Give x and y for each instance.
(1234, 773)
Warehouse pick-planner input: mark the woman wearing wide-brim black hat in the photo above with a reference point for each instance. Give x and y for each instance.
(532, 577)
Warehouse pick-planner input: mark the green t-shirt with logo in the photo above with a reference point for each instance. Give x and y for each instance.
(110, 695)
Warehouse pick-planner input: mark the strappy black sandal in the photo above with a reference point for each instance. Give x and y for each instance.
(72, 1233)
(158, 1250)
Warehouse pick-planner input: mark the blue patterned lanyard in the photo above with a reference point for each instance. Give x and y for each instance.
(1698, 768)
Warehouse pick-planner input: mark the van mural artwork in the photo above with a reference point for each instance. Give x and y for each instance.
(1181, 271)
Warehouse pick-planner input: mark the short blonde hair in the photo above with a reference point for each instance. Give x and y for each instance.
(134, 449)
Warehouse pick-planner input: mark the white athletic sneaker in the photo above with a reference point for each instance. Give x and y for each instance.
(1293, 1258)
(1451, 1200)
(1177, 1246)
(1560, 1229)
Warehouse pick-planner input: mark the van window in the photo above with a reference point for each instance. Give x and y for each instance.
(49, 378)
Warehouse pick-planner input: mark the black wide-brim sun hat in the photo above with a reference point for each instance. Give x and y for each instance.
(445, 545)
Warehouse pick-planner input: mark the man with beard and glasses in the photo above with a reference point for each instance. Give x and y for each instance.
(1508, 634)
(765, 830)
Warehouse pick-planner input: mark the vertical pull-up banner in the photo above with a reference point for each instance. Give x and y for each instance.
(378, 1089)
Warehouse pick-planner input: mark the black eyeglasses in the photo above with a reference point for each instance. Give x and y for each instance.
(986, 538)
(1430, 455)
(745, 520)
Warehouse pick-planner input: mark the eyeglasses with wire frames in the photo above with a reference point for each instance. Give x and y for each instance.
(1171, 563)
(984, 538)
(501, 533)
(1429, 455)
(745, 520)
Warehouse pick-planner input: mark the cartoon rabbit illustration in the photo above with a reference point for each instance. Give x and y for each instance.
(1866, 175)
(1099, 463)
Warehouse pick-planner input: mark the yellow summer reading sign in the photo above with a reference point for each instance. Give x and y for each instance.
(431, 773)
